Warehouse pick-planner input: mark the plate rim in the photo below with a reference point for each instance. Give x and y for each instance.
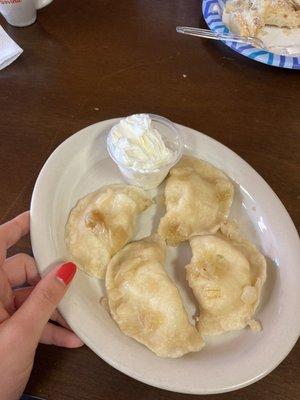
(215, 23)
(90, 343)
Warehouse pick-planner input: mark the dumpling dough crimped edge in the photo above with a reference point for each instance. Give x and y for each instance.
(229, 232)
(176, 228)
(85, 206)
(189, 340)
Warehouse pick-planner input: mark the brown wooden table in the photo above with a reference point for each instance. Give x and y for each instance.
(86, 61)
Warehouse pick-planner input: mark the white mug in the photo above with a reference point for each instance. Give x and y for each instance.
(21, 12)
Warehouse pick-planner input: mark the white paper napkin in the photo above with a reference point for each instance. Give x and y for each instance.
(9, 50)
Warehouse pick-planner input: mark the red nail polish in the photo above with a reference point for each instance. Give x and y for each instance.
(66, 272)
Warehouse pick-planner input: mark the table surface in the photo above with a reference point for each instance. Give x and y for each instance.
(89, 61)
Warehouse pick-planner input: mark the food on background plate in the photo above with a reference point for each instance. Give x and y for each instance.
(198, 198)
(101, 223)
(249, 17)
(226, 274)
(144, 147)
(145, 303)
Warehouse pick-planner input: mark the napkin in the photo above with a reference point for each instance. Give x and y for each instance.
(9, 50)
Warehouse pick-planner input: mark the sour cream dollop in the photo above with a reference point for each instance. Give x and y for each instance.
(137, 144)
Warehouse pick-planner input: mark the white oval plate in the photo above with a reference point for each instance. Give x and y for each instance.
(228, 362)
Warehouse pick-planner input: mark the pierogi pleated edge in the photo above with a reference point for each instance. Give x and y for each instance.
(226, 274)
(145, 303)
(101, 223)
(198, 199)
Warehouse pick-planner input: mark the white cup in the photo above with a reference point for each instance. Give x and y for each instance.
(21, 12)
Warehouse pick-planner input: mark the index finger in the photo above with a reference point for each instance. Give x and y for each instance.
(13, 230)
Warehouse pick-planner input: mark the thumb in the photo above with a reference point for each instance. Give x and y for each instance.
(37, 309)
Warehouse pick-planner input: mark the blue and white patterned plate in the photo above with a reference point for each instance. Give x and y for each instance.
(212, 12)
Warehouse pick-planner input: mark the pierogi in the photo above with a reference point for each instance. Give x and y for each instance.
(145, 303)
(101, 224)
(198, 198)
(226, 274)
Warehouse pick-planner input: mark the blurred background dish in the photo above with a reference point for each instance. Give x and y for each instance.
(213, 15)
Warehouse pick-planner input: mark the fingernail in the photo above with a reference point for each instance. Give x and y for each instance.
(66, 272)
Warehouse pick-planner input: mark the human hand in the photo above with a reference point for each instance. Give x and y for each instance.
(25, 312)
